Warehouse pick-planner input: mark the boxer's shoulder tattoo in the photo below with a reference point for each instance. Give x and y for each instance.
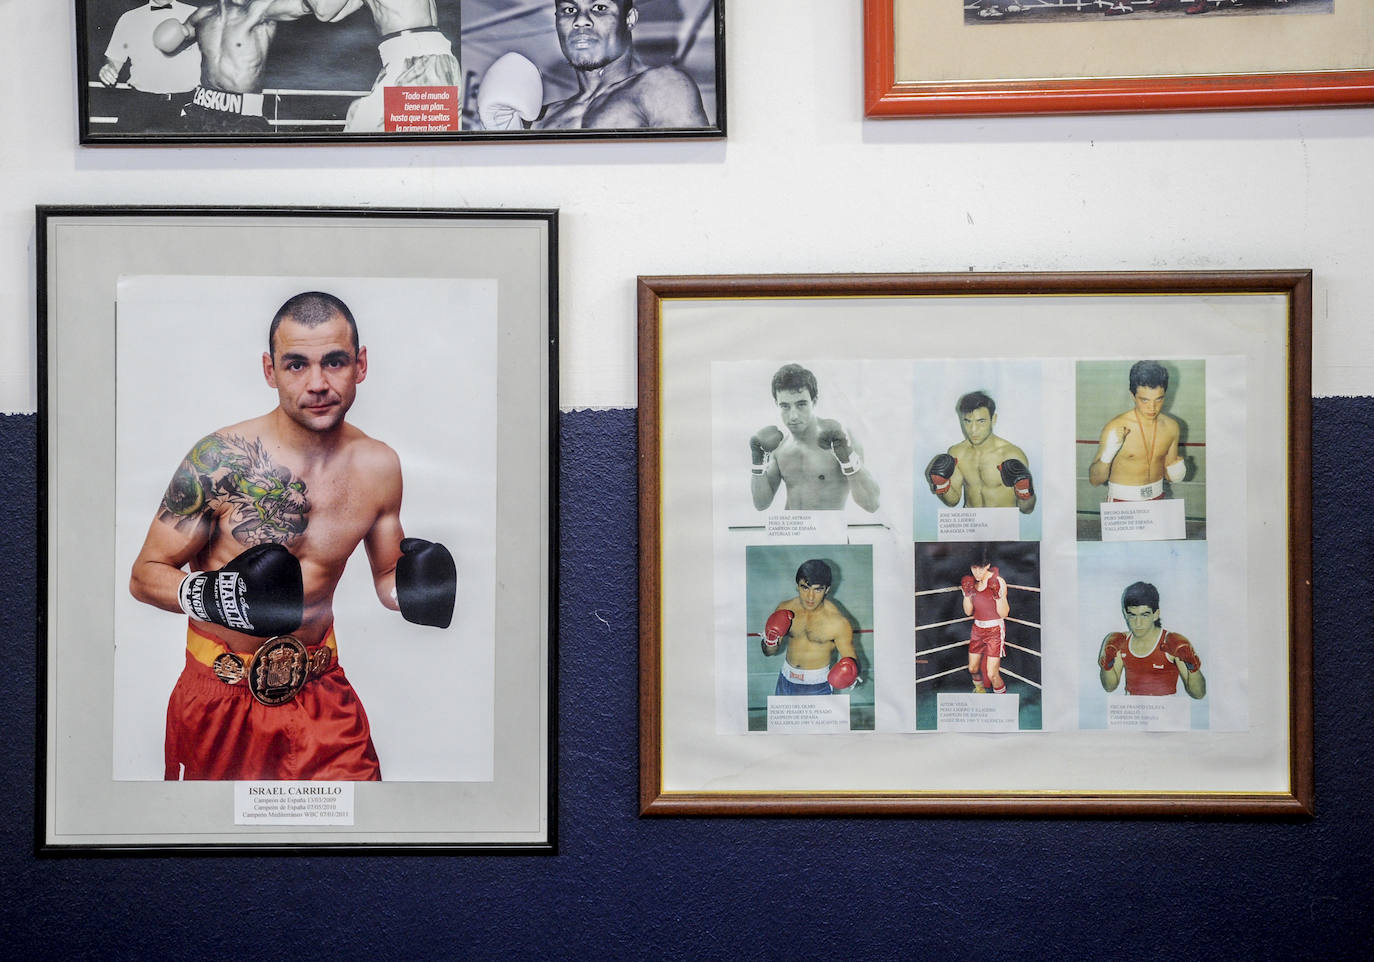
(227, 473)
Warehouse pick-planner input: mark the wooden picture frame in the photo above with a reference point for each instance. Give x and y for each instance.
(349, 73)
(153, 331)
(921, 59)
(888, 356)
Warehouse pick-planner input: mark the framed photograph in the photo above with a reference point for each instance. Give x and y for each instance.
(974, 57)
(386, 71)
(310, 604)
(953, 544)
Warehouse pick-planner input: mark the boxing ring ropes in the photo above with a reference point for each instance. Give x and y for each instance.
(271, 101)
(963, 666)
(1199, 451)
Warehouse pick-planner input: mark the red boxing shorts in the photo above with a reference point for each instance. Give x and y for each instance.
(990, 641)
(218, 730)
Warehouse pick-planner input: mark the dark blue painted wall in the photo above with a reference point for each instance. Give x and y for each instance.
(627, 888)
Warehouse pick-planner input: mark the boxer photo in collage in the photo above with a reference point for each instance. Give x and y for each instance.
(1047, 518)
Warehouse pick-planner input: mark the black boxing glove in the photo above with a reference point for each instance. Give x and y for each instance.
(831, 437)
(426, 583)
(761, 447)
(940, 471)
(1017, 476)
(258, 593)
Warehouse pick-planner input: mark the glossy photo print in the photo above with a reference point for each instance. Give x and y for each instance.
(297, 624)
(264, 71)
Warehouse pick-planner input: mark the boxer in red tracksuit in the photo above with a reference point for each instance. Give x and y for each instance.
(1152, 659)
(985, 598)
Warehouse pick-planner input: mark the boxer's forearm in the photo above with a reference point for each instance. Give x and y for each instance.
(764, 489)
(864, 490)
(1098, 472)
(1193, 683)
(155, 583)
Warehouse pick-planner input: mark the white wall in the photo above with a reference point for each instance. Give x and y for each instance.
(803, 184)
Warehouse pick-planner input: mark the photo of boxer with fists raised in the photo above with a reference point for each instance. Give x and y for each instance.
(818, 460)
(251, 541)
(983, 470)
(1139, 448)
(616, 89)
(1152, 659)
(1142, 473)
(814, 636)
(985, 601)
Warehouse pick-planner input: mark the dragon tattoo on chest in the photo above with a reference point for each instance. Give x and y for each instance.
(226, 473)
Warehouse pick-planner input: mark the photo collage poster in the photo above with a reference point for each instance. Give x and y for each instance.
(1090, 499)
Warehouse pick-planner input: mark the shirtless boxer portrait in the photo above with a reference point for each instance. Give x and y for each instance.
(1152, 659)
(983, 470)
(234, 37)
(1138, 448)
(616, 89)
(250, 542)
(985, 600)
(818, 460)
(810, 631)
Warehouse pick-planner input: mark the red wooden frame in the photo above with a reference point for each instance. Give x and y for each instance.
(886, 96)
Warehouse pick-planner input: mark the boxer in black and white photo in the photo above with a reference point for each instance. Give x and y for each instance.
(818, 460)
(617, 90)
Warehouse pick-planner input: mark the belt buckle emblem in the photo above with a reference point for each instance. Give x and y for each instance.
(229, 668)
(279, 670)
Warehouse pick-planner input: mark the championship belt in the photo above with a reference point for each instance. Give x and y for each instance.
(277, 671)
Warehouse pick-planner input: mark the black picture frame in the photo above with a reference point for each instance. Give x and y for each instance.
(312, 71)
(491, 788)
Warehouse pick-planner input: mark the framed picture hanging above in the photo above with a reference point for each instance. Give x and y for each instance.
(976, 57)
(388, 71)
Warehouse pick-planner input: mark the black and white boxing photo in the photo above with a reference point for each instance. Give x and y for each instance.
(205, 71)
(305, 557)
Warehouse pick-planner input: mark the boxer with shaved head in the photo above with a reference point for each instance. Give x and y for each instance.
(265, 514)
(616, 89)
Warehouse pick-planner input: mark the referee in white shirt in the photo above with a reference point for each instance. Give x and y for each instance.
(161, 84)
